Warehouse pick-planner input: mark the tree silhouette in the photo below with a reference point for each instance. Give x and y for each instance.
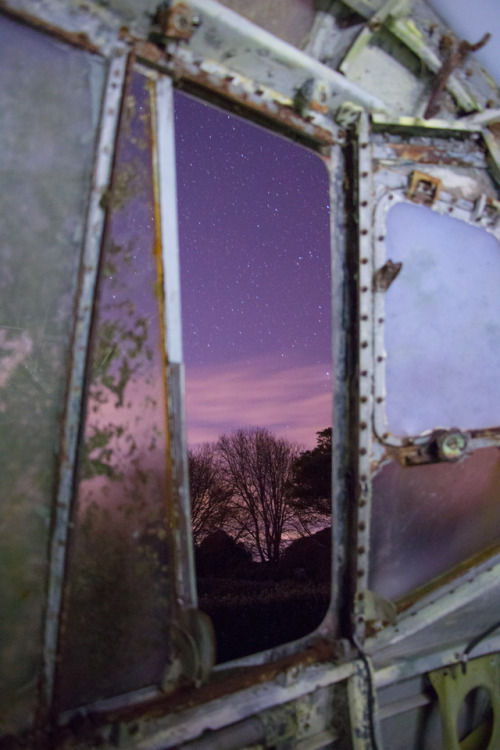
(312, 483)
(210, 497)
(257, 468)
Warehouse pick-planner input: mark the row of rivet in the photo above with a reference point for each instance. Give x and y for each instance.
(365, 274)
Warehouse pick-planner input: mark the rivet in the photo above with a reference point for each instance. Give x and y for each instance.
(364, 260)
(364, 174)
(364, 373)
(381, 320)
(363, 399)
(381, 238)
(379, 399)
(364, 344)
(380, 359)
(391, 197)
(362, 451)
(363, 477)
(361, 550)
(364, 288)
(364, 232)
(361, 573)
(363, 425)
(364, 317)
(364, 203)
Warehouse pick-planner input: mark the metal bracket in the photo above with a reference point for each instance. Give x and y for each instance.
(175, 21)
(376, 21)
(441, 445)
(377, 611)
(453, 686)
(424, 188)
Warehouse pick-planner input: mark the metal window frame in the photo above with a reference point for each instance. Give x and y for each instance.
(98, 31)
(433, 603)
(471, 212)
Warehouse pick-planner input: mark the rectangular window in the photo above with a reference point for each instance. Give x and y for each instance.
(254, 230)
(442, 325)
(434, 307)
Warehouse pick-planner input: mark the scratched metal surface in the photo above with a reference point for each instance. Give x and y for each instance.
(119, 599)
(49, 107)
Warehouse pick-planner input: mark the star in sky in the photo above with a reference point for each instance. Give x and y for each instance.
(255, 270)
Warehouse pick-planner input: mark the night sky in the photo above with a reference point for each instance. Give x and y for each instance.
(255, 277)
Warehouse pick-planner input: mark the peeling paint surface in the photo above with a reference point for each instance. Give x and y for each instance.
(119, 598)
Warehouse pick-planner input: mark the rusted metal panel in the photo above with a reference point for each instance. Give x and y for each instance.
(259, 98)
(92, 28)
(208, 48)
(90, 262)
(429, 154)
(234, 696)
(45, 173)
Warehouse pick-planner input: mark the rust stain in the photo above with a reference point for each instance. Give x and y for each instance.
(455, 55)
(426, 154)
(150, 52)
(274, 110)
(424, 188)
(494, 128)
(89, 729)
(180, 22)
(75, 38)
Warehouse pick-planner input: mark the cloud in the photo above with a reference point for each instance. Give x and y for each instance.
(293, 401)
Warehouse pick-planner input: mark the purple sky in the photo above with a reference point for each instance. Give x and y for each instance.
(255, 261)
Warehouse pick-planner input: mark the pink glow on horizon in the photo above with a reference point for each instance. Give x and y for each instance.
(258, 393)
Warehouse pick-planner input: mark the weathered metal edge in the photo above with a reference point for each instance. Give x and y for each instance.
(89, 265)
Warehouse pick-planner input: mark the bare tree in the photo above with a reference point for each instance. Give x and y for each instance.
(210, 497)
(258, 469)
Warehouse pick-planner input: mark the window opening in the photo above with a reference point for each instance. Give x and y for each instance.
(255, 277)
(49, 106)
(441, 316)
(442, 324)
(121, 592)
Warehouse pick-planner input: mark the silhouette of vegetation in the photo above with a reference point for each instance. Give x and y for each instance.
(210, 496)
(257, 468)
(219, 555)
(260, 489)
(313, 477)
(251, 494)
(309, 557)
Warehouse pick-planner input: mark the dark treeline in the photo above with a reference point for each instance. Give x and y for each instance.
(260, 489)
